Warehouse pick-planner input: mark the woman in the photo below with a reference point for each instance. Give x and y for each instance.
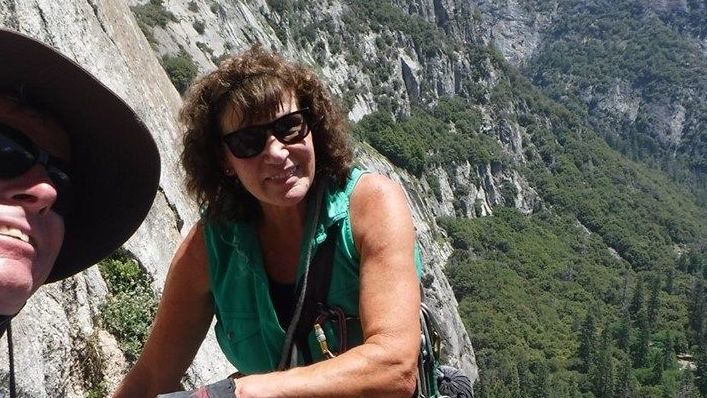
(268, 159)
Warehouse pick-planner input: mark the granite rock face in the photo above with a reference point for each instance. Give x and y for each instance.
(56, 335)
(60, 348)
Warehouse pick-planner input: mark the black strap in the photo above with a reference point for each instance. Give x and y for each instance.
(11, 358)
(318, 282)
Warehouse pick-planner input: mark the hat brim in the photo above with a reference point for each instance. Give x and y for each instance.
(115, 165)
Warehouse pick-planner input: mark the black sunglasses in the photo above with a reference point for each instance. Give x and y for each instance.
(18, 154)
(250, 141)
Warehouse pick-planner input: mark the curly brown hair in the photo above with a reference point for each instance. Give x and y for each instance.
(255, 83)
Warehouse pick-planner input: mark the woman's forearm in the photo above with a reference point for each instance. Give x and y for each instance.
(369, 370)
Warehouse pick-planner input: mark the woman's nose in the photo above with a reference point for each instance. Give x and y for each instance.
(32, 190)
(275, 152)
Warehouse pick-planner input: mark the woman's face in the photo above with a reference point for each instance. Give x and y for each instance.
(279, 176)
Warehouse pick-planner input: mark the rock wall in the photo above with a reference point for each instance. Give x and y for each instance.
(60, 318)
(59, 348)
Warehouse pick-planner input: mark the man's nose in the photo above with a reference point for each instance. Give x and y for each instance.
(32, 190)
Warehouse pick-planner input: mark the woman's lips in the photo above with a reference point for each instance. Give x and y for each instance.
(283, 176)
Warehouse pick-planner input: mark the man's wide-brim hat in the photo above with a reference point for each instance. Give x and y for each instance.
(115, 164)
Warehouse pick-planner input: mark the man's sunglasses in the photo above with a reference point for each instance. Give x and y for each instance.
(250, 141)
(18, 154)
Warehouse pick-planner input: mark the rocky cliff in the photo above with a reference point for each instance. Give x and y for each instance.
(634, 69)
(61, 349)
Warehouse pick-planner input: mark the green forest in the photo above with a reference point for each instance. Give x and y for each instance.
(602, 47)
(601, 291)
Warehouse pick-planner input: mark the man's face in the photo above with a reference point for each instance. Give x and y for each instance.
(31, 233)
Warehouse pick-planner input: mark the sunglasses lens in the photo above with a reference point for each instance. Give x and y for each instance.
(64, 190)
(290, 129)
(14, 158)
(246, 143)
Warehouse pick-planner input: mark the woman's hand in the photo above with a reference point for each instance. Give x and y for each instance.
(225, 388)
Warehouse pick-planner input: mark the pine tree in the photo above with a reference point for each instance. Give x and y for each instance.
(603, 373)
(637, 301)
(574, 389)
(653, 303)
(701, 371)
(687, 388)
(639, 352)
(697, 308)
(623, 382)
(696, 262)
(587, 343)
(683, 262)
(481, 389)
(658, 368)
(514, 382)
(525, 378)
(669, 281)
(541, 385)
(669, 352)
(623, 333)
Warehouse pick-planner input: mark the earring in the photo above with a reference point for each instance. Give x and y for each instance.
(232, 176)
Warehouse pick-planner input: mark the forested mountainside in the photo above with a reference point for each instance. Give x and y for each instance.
(635, 70)
(600, 291)
(563, 146)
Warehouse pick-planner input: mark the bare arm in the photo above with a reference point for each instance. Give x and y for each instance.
(183, 318)
(385, 364)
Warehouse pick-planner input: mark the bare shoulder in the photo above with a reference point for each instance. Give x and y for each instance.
(379, 208)
(195, 237)
(376, 190)
(191, 253)
(187, 279)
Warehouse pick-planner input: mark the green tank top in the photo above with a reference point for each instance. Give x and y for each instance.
(247, 327)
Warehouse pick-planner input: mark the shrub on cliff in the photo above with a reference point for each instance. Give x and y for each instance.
(181, 69)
